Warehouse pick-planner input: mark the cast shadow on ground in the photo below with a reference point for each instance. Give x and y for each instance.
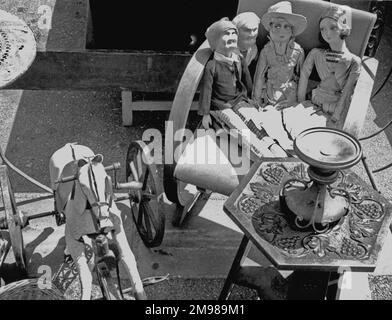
(53, 259)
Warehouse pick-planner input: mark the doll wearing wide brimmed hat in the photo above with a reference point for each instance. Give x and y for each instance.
(278, 68)
(338, 70)
(226, 86)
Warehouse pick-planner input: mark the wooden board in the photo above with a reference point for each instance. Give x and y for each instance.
(94, 70)
(356, 113)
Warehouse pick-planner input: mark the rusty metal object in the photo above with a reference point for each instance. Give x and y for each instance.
(316, 200)
(17, 48)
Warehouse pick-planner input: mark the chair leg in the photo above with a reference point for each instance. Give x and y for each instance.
(235, 267)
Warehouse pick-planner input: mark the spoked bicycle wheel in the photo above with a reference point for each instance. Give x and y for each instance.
(146, 204)
(9, 219)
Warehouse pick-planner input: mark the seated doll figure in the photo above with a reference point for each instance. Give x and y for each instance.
(338, 70)
(278, 68)
(247, 24)
(225, 89)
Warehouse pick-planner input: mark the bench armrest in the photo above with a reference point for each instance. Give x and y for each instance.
(356, 112)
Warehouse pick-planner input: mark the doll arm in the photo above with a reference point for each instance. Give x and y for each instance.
(206, 91)
(305, 72)
(348, 89)
(300, 63)
(246, 78)
(259, 78)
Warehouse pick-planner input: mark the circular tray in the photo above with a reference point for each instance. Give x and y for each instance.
(328, 149)
(17, 48)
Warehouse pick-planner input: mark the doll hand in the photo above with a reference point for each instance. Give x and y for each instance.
(307, 103)
(335, 116)
(257, 100)
(285, 104)
(333, 56)
(256, 104)
(338, 57)
(206, 121)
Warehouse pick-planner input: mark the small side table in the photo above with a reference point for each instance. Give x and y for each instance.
(353, 243)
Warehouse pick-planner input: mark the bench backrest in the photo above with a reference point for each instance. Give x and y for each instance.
(362, 23)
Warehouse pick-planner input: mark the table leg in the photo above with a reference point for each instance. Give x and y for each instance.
(238, 259)
(308, 285)
(333, 285)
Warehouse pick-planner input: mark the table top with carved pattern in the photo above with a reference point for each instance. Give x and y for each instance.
(353, 242)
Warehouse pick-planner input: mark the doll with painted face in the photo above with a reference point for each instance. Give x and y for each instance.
(226, 86)
(278, 68)
(338, 70)
(247, 24)
(281, 59)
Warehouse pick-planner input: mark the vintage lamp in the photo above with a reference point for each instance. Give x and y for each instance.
(319, 202)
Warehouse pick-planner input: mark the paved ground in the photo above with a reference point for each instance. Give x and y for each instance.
(34, 124)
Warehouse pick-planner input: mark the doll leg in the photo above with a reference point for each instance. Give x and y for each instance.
(249, 140)
(263, 139)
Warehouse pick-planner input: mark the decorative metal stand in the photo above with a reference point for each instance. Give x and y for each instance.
(317, 202)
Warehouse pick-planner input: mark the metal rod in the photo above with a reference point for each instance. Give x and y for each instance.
(377, 132)
(122, 198)
(382, 168)
(114, 166)
(4, 160)
(40, 215)
(134, 185)
(369, 173)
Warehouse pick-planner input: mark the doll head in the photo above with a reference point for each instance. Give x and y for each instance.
(335, 24)
(280, 30)
(281, 23)
(247, 24)
(222, 37)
